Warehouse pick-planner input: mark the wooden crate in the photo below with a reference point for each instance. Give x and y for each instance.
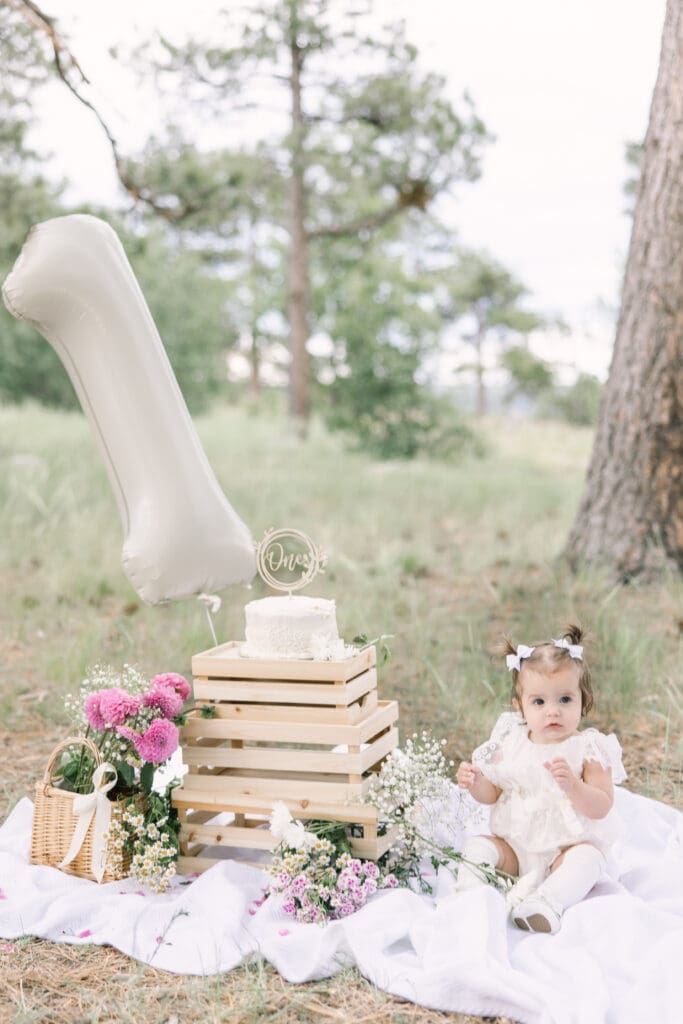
(307, 733)
(336, 691)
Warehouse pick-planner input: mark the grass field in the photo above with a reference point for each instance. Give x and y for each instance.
(447, 557)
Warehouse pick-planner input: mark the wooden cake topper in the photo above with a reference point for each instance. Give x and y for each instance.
(288, 560)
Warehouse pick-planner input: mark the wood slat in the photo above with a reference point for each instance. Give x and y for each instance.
(246, 712)
(209, 791)
(251, 804)
(229, 835)
(225, 662)
(275, 692)
(277, 731)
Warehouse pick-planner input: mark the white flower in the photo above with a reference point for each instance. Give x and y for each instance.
(298, 838)
(289, 832)
(279, 820)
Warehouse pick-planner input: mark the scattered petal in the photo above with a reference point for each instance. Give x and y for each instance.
(252, 912)
(283, 931)
(6, 947)
(2, 895)
(85, 934)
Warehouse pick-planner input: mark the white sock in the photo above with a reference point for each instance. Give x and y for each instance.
(577, 874)
(479, 850)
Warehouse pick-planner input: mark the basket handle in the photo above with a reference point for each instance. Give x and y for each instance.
(73, 740)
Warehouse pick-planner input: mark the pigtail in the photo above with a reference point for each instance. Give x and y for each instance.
(574, 634)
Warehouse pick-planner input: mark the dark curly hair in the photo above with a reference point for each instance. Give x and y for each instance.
(548, 658)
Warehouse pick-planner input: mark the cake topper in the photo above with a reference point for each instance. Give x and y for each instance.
(288, 560)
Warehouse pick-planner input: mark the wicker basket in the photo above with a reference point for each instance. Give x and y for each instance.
(54, 823)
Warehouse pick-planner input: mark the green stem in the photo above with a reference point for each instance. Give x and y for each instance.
(490, 875)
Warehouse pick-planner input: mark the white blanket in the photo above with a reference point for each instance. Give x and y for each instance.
(618, 958)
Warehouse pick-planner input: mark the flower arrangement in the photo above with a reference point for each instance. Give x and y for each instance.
(415, 797)
(314, 872)
(313, 869)
(134, 724)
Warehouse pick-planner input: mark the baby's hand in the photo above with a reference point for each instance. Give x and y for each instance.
(467, 775)
(562, 773)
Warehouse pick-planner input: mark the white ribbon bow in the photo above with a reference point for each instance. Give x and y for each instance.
(84, 807)
(575, 650)
(515, 660)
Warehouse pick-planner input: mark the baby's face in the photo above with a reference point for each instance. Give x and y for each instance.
(550, 704)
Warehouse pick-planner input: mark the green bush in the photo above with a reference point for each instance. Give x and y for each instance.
(407, 423)
(579, 404)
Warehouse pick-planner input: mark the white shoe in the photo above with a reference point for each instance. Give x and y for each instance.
(537, 914)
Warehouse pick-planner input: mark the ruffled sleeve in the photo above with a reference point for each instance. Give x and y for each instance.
(490, 755)
(605, 749)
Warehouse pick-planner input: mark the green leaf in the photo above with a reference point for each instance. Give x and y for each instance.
(208, 710)
(147, 776)
(361, 638)
(126, 773)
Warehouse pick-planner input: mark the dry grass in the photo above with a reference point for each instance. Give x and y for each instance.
(42, 982)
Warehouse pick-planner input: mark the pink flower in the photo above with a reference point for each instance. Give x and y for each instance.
(169, 702)
(174, 681)
(116, 705)
(127, 733)
(158, 742)
(93, 712)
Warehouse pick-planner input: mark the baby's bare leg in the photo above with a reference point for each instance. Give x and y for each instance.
(507, 858)
(489, 850)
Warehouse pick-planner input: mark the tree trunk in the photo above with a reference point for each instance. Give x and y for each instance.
(299, 294)
(631, 515)
(254, 363)
(482, 404)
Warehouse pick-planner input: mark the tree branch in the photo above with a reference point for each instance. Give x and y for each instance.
(65, 62)
(411, 194)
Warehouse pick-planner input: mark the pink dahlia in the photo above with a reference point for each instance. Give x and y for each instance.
(174, 681)
(116, 705)
(127, 733)
(169, 702)
(93, 711)
(158, 742)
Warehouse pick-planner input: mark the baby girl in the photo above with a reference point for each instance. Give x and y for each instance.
(551, 787)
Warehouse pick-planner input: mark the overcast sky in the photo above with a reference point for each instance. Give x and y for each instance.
(563, 87)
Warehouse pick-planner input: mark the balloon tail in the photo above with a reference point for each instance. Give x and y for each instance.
(211, 604)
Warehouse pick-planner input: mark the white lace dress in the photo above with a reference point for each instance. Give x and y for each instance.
(532, 813)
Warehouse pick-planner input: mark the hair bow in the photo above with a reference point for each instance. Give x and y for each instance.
(575, 650)
(515, 660)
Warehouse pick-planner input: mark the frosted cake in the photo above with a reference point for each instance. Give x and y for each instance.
(292, 627)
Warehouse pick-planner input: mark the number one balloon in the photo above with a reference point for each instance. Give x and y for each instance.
(72, 281)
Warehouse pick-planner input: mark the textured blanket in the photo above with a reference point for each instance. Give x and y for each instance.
(618, 957)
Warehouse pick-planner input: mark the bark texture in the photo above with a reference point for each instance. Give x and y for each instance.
(631, 515)
(299, 288)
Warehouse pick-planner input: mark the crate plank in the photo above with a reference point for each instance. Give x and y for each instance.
(226, 662)
(291, 759)
(283, 692)
(247, 712)
(279, 731)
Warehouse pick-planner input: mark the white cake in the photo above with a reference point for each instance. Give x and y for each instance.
(292, 627)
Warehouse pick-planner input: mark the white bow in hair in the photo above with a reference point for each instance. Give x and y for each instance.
(515, 660)
(575, 650)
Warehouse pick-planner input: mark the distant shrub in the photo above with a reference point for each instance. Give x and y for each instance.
(578, 404)
(425, 426)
